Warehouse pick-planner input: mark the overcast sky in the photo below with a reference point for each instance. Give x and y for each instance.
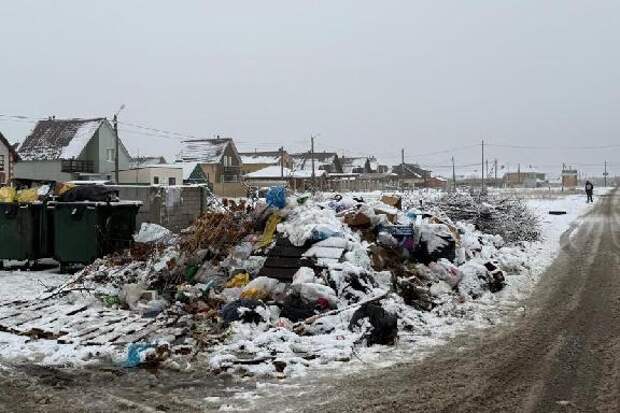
(367, 77)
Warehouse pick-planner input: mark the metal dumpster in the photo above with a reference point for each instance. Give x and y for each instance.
(85, 231)
(23, 231)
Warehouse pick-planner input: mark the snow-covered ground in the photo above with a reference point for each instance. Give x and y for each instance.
(427, 329)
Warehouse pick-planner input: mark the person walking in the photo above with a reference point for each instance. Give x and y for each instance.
(589, 191)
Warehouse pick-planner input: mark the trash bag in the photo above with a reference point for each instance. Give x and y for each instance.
(304, 275)
(323, 231)
(311, 293)
(276, 197)
(136, 354)
(27, 196)
(260, 288)
(93, 193)
(239, 280)
(7, 194)
(295, 309)
(270, 229)
(242, 310)
(384, 325)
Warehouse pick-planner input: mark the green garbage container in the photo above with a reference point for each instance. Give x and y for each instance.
(85, 231)
(23, 231)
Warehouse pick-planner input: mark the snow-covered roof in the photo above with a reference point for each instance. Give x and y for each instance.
(249, 158)
(188, 169)
(204, 151)
(322, 160)
(275, 171)
(146, 161)
(349, 164)
(53, 139)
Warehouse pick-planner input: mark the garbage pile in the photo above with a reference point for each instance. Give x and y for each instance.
(277, 286)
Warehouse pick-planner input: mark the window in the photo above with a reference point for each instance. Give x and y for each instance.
(1, 162)
(110, 155)
(172, 181)
(156, 180)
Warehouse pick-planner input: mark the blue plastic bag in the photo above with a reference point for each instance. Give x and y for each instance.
(134, 354)
(276, 197)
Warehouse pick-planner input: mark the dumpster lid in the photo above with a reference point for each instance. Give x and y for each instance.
(98, 203)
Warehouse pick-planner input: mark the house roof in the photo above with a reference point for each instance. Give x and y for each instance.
(53, 139)
(275, 172)
(409, 170)
(303, 161)
(188, 169)
(4, 141)
(265, 157)
(204, 151)
(348, 164)
(147, 161)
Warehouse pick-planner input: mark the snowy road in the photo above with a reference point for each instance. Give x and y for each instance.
(561, 355)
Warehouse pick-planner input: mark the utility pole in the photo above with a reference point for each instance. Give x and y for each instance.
(453, 175)
(519, 173)
(282, 162)
(402, 166)
(116, 144)
(605, 174)
(312, 158)
(482, 189)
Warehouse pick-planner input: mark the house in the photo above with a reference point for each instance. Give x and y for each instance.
(255, 161)
(220, 162)
(410, 175)
(436, 182)
(139, 161)
(193, 173)
(357, 165)
(70, 149)
(298, 180)
(570, 178)
(159, 174)
(8, 158)
(527, 179)
(324, 161)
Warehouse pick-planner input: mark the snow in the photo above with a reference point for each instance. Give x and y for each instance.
(337, 347)
(276, 172)
(82, 136)
(188, 169)
(205, 151)
(152, 233)
(259, 159)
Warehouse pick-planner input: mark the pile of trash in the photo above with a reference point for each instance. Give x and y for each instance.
(280, 285)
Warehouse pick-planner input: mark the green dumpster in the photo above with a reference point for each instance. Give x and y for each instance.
(85, 231)
(23, 231)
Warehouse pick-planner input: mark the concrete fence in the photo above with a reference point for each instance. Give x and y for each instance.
(173, 207)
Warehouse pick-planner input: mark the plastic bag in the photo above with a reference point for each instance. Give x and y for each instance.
(27, 195)
(7, 194)
(311, 293)
(276, 197)
(260, 288)
(304, 275)
(239, 280)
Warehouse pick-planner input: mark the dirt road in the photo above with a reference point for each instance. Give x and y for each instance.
(562, 355)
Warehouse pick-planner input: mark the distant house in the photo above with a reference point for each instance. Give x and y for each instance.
(526, 178)
(324, 161)
(358, 165)
(193, 173)
(299, 180)
(254, 161)
(570, 178)
(70, 149)
(8, 158)
(139, 161)
(410, 175)
(159, 174)
(220, 162)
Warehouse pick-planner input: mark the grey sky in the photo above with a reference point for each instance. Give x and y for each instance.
(369, 76)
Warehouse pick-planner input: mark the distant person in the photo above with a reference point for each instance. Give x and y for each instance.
(589, 191)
